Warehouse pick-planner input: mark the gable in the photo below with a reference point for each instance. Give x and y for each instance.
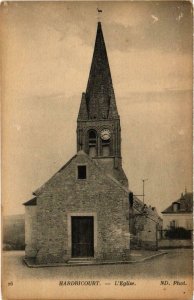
(97, 182)
(67, 176)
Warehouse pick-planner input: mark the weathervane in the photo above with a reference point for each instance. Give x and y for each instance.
(99, 13)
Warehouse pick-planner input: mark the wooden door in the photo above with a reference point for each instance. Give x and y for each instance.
(82, 236)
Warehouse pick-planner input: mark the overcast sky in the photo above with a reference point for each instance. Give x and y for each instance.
(47, 52)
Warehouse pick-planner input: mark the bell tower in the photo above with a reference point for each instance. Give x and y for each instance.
(98, 122)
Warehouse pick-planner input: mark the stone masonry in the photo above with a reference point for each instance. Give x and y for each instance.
(99, 195)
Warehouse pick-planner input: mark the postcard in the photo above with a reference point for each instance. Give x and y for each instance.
(97, 199)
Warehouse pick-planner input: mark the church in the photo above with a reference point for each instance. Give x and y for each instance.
(85, 211)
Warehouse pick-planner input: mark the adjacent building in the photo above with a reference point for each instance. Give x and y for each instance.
(179, 213)
(144, 224)
(177, 223)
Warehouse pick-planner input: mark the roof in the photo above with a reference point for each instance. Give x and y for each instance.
(81, 152)
(184, 205)
(138, 205)
(39, 190)
(99, 100)
(31, 202)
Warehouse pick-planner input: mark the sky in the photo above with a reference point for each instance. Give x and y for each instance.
(47, 50)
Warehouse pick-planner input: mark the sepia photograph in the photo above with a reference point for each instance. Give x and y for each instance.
(97, 194)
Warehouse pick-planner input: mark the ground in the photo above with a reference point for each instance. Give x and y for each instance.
(176, 263)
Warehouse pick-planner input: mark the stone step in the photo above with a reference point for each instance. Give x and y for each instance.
(81, 261)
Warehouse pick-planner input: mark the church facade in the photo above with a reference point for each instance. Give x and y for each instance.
(82, 212)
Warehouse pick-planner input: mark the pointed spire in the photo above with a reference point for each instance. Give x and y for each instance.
(83, 111)
(100, 98)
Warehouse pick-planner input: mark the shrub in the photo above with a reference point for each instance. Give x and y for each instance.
(178, 233)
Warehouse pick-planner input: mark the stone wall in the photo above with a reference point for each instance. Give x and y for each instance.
(164, 244)
(31, 231)
(148, 235)
(64, 194)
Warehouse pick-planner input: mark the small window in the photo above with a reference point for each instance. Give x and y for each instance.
(176, 206)
(81, 172)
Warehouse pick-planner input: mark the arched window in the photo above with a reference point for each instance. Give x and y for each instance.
(92, 143)
(92, 135)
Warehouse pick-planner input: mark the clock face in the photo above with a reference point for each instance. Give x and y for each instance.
(105, 134)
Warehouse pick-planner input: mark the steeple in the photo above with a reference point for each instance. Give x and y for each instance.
(99, 97)
(98, 122)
